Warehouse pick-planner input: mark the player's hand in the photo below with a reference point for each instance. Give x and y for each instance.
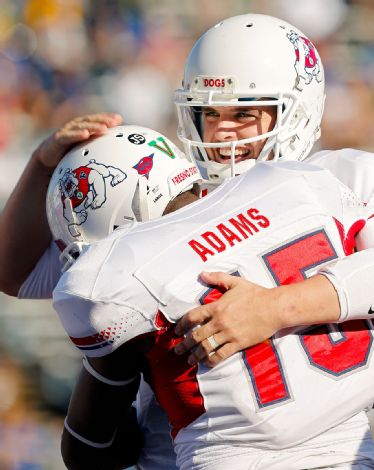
(79, 129)
(245, 315)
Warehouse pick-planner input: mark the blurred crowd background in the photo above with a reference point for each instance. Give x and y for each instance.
(62, 58)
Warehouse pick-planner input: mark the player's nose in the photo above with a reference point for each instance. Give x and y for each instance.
(225, 131)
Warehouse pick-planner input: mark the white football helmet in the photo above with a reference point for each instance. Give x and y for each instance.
(129, 173)
(239, 61)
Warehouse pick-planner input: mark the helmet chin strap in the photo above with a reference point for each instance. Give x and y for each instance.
(72, 216)
(143, 199)
(220, 172)
(270, 151)
(70, 254)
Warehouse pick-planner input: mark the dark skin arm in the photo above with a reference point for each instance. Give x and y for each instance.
(24, 231)
(98, 411)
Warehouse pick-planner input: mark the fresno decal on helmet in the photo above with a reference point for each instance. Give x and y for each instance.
(85, 187)
(305, 52)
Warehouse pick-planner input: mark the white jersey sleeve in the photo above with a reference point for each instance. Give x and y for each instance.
(354, 168)
(365, 239)
(353, 277)
(44, 277)
(98, 301)
(353, 280)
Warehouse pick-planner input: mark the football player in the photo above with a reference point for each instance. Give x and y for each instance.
(270, 406)
(266, 72)
(141, 173)
(98, 186)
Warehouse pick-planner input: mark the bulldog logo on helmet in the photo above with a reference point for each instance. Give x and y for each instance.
(83, 188)
(305, 52)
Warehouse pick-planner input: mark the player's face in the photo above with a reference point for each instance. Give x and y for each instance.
(225, 124)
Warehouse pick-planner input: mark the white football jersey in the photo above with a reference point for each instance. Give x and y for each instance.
(352, 167)
(157, 451)
(276, 224)
(44, 277)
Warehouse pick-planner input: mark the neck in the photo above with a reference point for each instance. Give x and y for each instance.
(180, 201)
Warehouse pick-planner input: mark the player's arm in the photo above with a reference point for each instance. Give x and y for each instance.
(100, 429)
(24, 231)
(247, 314)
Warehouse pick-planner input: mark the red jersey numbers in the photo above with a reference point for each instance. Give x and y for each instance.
(266, 374)
(262, 361)
(338, 352)
(335, 350)
(290, 262)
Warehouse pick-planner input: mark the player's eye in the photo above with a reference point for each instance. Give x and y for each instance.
(248, 115)
(210, 113)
